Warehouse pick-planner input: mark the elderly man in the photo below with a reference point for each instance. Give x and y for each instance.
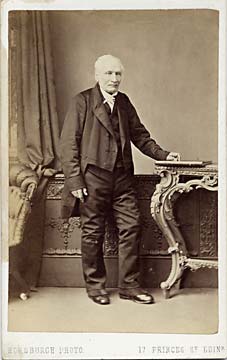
(97, 162)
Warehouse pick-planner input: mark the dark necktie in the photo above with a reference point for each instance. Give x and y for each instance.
(107, 107)
(108, 103)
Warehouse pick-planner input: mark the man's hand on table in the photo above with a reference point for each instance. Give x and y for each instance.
(173, 156)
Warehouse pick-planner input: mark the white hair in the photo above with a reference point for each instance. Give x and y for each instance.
(104, 59)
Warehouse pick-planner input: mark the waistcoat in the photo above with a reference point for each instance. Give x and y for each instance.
(113, 116)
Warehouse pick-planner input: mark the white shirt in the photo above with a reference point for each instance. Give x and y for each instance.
(109, 98)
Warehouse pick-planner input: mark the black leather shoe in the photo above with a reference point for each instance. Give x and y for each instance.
(142, 298)
(101, 299)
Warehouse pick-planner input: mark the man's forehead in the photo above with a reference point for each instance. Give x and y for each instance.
(111, 64)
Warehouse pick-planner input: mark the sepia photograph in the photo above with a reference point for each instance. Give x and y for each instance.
(114, 178)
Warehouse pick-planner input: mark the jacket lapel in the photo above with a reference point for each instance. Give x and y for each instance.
(122, 116)
(100, 111)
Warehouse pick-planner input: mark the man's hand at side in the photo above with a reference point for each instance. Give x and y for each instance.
(173, 156)
(80, 194)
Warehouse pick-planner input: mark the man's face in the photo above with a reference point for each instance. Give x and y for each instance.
(109, 75)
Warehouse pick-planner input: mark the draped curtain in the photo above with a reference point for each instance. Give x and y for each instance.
(33, 114)
(37, 120)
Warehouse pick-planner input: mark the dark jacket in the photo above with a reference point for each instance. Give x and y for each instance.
(88, 138)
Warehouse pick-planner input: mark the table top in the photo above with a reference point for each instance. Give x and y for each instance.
(189, 167)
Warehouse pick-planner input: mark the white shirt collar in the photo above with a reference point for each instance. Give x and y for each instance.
(108, 97)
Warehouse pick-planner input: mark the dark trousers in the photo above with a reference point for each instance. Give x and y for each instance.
(109, 191)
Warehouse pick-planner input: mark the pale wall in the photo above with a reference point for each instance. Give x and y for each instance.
(170, 60)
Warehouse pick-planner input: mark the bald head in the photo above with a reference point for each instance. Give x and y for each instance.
(107, 60)
(108, 73)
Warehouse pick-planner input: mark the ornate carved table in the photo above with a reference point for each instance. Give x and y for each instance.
(162, 209)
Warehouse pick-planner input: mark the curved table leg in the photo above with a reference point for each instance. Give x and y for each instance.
(162, 211)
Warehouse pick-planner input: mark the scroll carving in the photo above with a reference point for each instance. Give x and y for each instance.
(65, 229)
(208, 229)
(54, 190)
(162, 203)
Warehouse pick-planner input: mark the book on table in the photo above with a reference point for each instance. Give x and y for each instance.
(183, 163)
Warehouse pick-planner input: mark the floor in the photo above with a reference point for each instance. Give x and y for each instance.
(70, 310)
